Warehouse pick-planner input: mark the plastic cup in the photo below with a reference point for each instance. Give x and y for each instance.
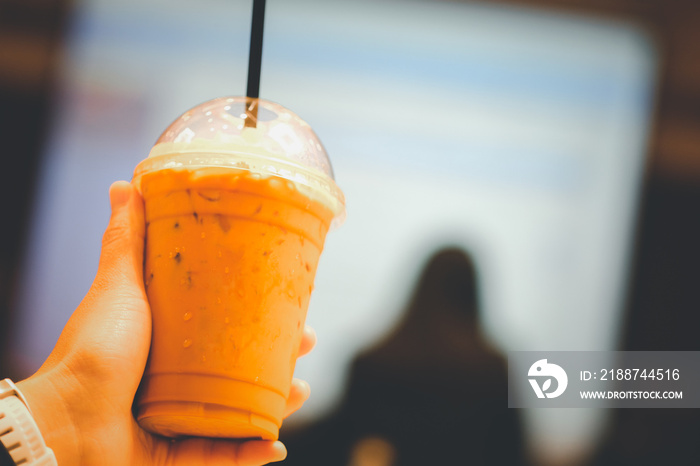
(236, 218)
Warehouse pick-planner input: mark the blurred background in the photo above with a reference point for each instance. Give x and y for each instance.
(556, 142)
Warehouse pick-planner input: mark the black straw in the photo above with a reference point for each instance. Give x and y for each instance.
(255, 62)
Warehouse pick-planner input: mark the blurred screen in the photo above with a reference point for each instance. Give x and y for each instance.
(517, 134)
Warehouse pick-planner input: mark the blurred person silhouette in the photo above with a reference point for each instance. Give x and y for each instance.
(433, 392)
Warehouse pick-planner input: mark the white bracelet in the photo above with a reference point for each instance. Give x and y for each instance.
(18, 430)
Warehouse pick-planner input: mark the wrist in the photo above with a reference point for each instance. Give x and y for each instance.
(19, 434)
(47, 398)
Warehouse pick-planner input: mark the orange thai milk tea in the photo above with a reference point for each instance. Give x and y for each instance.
(235, 228)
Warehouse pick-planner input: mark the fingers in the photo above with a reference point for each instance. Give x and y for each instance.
(308, 341)
(299, 393)
(257, 452)
(200, 451)
(301, 390)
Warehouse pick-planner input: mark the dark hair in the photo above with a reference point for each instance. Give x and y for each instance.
(448, 284)
(442, 310)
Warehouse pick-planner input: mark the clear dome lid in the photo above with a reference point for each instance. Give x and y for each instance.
(251, 134)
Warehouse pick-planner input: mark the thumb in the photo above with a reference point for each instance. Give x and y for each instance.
(115, 307)
(121, 259)
(118, 285)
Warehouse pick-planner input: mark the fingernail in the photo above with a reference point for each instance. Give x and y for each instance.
(280, 449)
(119, 194)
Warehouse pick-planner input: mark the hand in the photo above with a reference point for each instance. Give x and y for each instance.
(82, 395)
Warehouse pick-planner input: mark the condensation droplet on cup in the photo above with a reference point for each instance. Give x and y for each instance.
(204, 358)
(257, 378)
(204, 235)
(290, 293)
(226, 270)
(218, 300)
(187, 343)
(187, 315)
(227, 320)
